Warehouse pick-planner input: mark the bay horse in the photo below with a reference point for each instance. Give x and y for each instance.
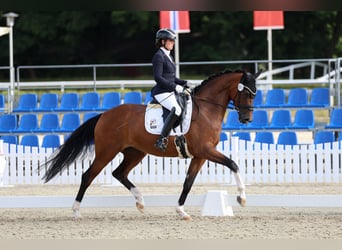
(121, 129)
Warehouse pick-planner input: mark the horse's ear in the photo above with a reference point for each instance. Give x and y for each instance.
(256, 75)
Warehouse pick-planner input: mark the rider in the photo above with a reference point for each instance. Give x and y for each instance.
(168, 85)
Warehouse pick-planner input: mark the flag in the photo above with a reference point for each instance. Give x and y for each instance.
(264, 20)
(4, 31)
(178, 21)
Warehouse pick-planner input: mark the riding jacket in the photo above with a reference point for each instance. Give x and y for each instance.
(164, 73)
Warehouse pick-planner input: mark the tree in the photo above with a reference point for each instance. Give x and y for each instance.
(105, 37)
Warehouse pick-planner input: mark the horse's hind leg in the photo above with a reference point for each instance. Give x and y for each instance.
(87, 179)
(132, 157)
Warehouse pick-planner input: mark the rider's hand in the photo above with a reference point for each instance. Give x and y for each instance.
(179, 88)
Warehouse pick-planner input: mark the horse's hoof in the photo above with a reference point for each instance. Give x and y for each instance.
(77, 216)
(186, 217)
(140, 207)
(241, 201)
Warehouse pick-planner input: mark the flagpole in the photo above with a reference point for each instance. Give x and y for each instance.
(269, 40)
(177, 55)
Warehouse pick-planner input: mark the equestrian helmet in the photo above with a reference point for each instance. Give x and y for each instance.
(164, 34)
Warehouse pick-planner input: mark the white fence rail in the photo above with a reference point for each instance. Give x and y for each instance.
(259, 163)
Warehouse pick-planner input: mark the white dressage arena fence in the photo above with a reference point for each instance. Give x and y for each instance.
(259, 163)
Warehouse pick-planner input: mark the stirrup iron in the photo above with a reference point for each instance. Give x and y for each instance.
(162, 143)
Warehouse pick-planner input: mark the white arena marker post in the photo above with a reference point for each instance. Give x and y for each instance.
(215, 204)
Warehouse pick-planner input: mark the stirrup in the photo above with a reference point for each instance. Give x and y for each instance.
(162, 143)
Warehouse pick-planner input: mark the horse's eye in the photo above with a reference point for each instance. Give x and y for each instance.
(249, 94)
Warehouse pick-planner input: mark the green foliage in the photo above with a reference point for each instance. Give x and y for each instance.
(106, 37)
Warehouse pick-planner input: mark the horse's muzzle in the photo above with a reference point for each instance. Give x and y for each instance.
(245, 118)
(244, 121)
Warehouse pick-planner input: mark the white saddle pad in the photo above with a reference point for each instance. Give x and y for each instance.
(154, 120)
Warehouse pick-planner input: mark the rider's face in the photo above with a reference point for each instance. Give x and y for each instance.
(169, 44)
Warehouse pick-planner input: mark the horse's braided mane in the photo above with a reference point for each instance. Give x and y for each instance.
(211, 77)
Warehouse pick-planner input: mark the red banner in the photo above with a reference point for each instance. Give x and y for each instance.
(268, 19)
(179, 21)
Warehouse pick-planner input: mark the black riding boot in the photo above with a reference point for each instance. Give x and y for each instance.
(163, 139)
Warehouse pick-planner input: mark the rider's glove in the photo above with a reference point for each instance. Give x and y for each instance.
(179, 88)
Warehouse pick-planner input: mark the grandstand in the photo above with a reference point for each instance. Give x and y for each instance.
(287, 112)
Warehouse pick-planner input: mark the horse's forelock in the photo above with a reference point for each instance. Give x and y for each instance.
(249, 81)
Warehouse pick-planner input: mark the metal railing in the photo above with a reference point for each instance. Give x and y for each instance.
(318, 72)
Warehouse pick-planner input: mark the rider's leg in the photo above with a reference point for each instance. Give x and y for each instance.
(168, 100)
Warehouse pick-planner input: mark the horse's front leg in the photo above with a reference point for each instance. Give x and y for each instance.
(194, 167)
(216, 156)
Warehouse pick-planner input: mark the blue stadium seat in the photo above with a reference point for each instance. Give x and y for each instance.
(335, 119)
(304, 119)
(148, 97)
(28, 123)
(274, 98)
(233, 121)
(110, 100)
(260, 120)
(281, 119)
(69, 102)
(30, 140)
(48, 102)
(133, 97)
(324, 136)
(70, 122)
(298, 97)
(51, 141)
(2, 102)
(243, 135)
(264, 137)
(8, 123)
(223, 136)
(27, 103)
(49, 123)
(231, 105)
(258, 100)
(319, 97)
(287, 138)
(90, 101)
(10, 139)
(89, 115)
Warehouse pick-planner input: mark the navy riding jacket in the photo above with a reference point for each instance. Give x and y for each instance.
(164, 73)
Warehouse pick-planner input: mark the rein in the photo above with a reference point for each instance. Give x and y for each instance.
(237, 97)
(207, 101)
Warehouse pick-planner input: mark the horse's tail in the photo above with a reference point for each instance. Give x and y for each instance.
(72, 148)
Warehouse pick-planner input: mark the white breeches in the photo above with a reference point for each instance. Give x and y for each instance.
(168, 100)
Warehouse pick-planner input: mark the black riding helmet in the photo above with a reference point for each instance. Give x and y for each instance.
(164, 34)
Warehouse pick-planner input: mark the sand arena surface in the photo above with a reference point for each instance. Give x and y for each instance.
(163, 223)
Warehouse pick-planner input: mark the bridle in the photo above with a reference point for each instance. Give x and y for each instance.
(241, 89)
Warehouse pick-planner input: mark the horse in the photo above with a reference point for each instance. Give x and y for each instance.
(121, 129)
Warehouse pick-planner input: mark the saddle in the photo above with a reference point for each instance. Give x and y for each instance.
(155, 116)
